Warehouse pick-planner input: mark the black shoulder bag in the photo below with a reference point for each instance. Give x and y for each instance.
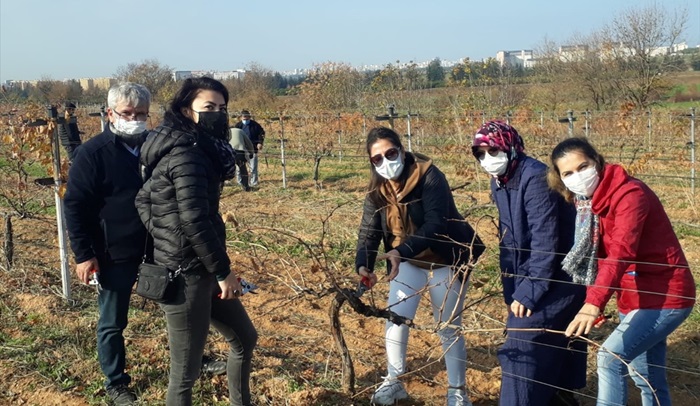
(155, 282)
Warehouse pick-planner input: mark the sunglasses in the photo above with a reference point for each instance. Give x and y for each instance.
(390, 154)
(480, 154)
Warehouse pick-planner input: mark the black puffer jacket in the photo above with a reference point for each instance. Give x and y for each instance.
(179, 203)
(439, 225)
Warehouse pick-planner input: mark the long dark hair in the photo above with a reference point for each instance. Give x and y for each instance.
(376, 180)
(185, 96)
(574, 144)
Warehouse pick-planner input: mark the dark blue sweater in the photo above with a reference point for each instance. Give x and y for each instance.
(100, 213)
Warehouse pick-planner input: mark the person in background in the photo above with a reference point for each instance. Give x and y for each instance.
(68, 132)
(256, 134)
(625, 246)
(409, 208)
(243, 147)
(535, 226)
(185, 160)
(106, 234)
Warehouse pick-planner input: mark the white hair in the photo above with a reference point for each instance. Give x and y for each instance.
(133, 94)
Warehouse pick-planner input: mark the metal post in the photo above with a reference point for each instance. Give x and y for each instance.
(103, 124)
(483, 118)
(508, 114)
(649, 129)
(340, 141)
(284, 167)
(692, 150)
(60, 219)
(541, 119)
(408, 124)
(570, 117)
(586, 114)
(391, 114)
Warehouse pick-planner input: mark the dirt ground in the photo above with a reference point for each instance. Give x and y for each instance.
(47, 354)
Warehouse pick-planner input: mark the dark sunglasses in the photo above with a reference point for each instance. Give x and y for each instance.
(492, 151)
(390, 154)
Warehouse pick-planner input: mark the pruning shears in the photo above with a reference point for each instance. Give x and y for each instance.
(363, 286)
(247, 287)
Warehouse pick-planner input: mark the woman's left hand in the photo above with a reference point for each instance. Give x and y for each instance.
(584, 320)
(394, 259)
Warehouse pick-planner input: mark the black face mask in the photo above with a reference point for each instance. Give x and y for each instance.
(214, 123)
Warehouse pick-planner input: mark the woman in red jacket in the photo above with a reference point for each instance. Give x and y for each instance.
(621, 223)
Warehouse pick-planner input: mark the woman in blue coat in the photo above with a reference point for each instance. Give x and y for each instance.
(536, 230)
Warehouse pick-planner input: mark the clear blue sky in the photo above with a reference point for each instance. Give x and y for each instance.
(91, 38)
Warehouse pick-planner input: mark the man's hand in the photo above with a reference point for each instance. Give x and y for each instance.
(519, 310)
(394, 261)
(259, 146)
(84, 269)
(230, 287)
(584, 320)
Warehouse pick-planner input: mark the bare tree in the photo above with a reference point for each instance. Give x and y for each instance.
(640, 42)
(150, 73)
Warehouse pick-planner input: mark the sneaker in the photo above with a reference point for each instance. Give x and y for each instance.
(213, 367)
(121, 395)
(389, 392)
(457, 397)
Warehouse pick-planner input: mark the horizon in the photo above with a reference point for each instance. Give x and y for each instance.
(275, 35)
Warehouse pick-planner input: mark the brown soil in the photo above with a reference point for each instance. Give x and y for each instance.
(296, 362)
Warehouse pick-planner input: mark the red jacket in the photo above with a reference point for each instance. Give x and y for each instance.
(640, 257)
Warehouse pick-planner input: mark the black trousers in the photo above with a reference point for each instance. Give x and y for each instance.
(189, 315)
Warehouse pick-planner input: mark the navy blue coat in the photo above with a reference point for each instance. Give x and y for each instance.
(101, 217)
(536, 228)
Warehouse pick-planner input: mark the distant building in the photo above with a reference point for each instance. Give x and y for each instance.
(671, 50)
(218, 75)
(21, 84)
(571, 53)
(523, 58)
(99, 83)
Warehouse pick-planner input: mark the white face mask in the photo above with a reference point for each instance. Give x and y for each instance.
(390, 170)
(495, 165)
(583, 183)
(129, 127)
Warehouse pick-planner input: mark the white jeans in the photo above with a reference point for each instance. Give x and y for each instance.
(447, 298)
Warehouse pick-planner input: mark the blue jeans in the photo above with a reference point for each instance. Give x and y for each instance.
(189, 315)
(116, 281)
(253, 170)
(641, 339)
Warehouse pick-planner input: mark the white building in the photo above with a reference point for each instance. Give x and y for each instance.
(218, 75)
(523, 58)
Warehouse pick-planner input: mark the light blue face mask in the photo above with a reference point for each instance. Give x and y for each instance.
(246, 121)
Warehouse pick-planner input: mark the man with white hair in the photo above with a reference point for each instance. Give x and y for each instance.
(106, 233)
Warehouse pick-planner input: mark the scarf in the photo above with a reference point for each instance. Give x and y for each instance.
(504, 137)
(582, 261)
(221, 152)
(227, 158)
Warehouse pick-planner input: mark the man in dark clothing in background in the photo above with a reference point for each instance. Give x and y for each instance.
(256, 134)
(68, 132)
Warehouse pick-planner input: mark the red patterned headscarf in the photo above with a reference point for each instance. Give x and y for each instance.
(497, 134)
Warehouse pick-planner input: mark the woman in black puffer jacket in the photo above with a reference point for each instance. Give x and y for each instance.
(185, 160)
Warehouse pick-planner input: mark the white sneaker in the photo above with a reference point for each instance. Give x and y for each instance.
(389, 392)
(457, 397)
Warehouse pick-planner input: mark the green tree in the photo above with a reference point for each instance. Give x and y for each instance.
(435, 73)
